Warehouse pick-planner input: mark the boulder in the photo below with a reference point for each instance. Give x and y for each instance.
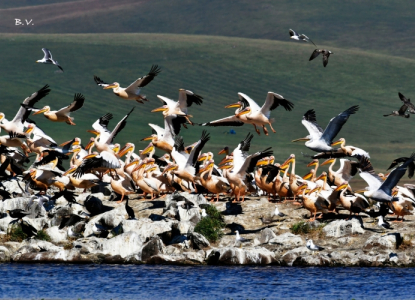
(57, 235)
(340, 228)
(146, 228)
(287, 240)
(5, 254)
(239, 256)
(153, 247)
(198, 240)
(185, 258)
(192, 215)
(266, 235)
(382, 242)
(109, 220)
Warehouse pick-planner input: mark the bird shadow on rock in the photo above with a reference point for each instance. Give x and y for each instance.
(154, 217)
(156, 204)
(235, 226)
(232, 209)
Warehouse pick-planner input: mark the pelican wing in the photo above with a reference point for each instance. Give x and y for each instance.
(402, 110)
(157, 129)
(187, 98)
(169, 102)
(310, 123)
(293, 33)
(336, 124)
(395, 176)
(103, 160)
(254, 106)
(78, 102)
(39, 134)
(23, 113)
(194, 154)
(228, 121)
(169, 134)
(368, 174)
(121, 124)
(274, 100)
(100, 82)
(251, 161)
(143, 81)
(348, 169)
(101, 125)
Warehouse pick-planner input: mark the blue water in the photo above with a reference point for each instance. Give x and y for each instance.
(56, 281)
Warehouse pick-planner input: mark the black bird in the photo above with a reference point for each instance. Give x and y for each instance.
(130, 211)
(17, 213)
(70, 220)
(28, 229)
(68, 195)
(411, 166)
(406, 106)
(326, 54)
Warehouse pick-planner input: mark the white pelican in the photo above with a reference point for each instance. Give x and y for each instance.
(163, 139)
(261, 115)
(353, 202)
(313, 202)
(132, 92)
(320, 141)
(16, 125)
(47, 59)
(62, 115)
(380, 190)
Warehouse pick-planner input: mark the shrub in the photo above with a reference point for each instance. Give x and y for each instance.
(301, 228)
(16, 234)
(211, 226)
(43, 236)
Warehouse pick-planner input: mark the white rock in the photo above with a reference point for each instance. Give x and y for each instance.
(341, 228)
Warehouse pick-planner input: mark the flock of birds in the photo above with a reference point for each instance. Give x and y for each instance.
(188, 168)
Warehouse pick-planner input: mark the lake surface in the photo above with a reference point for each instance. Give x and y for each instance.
(56, 281)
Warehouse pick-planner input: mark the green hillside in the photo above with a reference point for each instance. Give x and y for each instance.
(381, 26)
(216, 68)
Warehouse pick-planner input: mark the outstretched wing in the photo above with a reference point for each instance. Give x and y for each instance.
(314, 54)
(143, 81)
(77, 103)
(336, 124)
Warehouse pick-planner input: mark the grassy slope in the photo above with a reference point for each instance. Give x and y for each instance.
(216, 68)
(382, 26)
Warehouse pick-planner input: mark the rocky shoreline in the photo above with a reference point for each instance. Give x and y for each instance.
(163, 233)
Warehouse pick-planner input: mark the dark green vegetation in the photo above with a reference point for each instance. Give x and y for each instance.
(211, 226)
(305, 228)
(43, 235)
(216, 68)
(16, 234)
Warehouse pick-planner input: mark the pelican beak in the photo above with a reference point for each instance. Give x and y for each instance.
(202, 157)
(322, 177)
(394, 193)
(163, 108)
(288, 161)
(133, 163)
(28, 130)
(285, 167)
(40, 111)
(223, 151)
(301, 187)
(116, 149)
(225, 167)
(111, 86)
(329, 161)
(149, 138)
(234, 105)
(148, 149)
(225, 160)
(359, 191)
(308, 176)
(90, 156)
(336, 143)
(243, 112)
(93, 131)
(262, 162)
(341, 187)
(71, 170)
(32, 172)
(124, 150)
(304, 139)
(313, 163)
(89, 145)
(314, 190)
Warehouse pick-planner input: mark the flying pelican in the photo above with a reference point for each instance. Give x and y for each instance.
(407, 106)
(380, 190)
(350, 150)
(47, 59)
(324, 52)
(411, 166)
(132, 92)
(61, 115)
(17, 124)
(320, 141)
(261, 115)
(163, 139)
(300, 37)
